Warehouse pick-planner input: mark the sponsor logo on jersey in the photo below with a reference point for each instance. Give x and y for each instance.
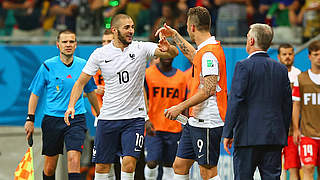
(106, 61)
(210, 63)
(69, 76)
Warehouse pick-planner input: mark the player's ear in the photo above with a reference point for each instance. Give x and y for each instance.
(113, 29)
(57, 43)
(193, 28)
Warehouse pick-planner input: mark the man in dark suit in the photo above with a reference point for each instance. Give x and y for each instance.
(259, 110)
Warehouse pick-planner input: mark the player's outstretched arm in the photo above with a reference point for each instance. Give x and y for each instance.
(29, 125)
(75, 94)
(186, 48)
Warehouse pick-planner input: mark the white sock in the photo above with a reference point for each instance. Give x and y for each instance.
(150, 174)
(100, 176)
(127, 176)
(168, 173)
(180, 177)
(111, 173)
(106, 176)
(217, 177)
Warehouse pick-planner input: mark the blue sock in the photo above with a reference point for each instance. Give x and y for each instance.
(74, 176)
(45, 177)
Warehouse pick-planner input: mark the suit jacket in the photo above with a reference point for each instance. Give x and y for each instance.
(260, 103)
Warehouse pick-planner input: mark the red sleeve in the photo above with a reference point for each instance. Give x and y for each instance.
(296, 91)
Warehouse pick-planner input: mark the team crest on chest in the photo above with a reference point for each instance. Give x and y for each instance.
(132, 56)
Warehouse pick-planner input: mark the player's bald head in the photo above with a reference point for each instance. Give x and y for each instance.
(116, 21)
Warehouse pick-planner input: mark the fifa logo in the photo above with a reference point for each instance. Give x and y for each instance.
(313, 97)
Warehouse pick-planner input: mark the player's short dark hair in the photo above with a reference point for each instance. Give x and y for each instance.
(314, 46)
(200, 17)
(115, 21)
(107, 32)
(285, 46)
(67, 31)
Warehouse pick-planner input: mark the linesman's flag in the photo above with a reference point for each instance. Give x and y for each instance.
(25, 169)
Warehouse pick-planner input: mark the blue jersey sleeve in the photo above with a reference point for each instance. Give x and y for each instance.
(39, 81)
(90, 86)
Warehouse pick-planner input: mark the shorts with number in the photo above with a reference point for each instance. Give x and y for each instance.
(116, 138)
(291, 155)
(200, 144)
(55, 132)
(309, 151)
(162, 147)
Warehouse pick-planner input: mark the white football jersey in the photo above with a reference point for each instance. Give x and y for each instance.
(123, 73)
(293, 74)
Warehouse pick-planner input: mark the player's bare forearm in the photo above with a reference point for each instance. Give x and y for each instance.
(199, 97)
(92, 97)
(208, 90)
(295, 115)
(33, 102)
(186, 48)
(78, 88)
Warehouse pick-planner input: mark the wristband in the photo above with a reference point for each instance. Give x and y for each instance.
(30, 117)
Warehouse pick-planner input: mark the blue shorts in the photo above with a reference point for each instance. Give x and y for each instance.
(116, 138)
(162, 147)
(55, 133)
(200, 144)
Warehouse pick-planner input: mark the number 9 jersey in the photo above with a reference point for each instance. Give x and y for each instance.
(123, 73)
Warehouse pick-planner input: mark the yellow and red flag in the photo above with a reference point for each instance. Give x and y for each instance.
(25, 169)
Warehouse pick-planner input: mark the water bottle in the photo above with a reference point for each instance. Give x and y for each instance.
(180, 118)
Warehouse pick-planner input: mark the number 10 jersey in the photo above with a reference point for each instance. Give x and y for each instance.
(123, 73)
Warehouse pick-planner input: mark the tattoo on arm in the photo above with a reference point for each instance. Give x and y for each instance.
(181, 44)
(210, 84)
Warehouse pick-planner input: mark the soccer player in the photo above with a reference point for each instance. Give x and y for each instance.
(291, 154)
(165, 86)
(306, 103)
(57, 75)
(121, 122)
(200, 139)
(107, 37)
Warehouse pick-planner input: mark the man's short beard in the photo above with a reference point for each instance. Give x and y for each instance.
(123, 39)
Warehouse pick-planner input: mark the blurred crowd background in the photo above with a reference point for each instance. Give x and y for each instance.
(294, 21)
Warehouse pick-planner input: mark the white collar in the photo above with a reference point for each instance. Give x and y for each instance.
(314, 77)
(256, 53)
(211, 40)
